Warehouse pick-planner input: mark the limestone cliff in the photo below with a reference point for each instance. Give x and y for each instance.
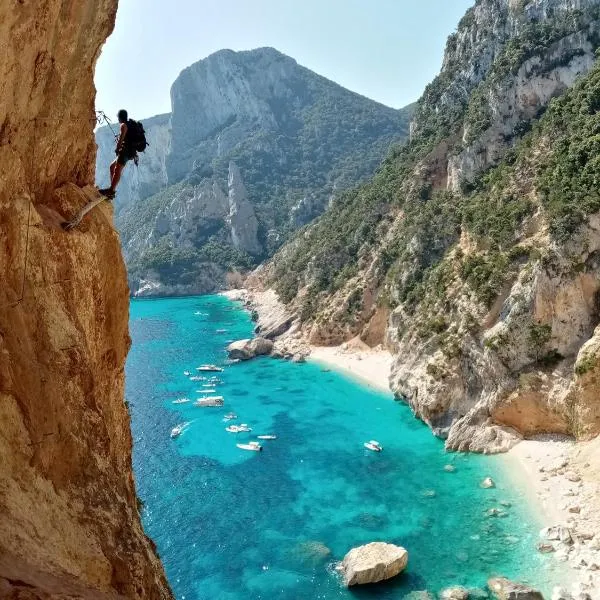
(477, 241)
(242, 218)
(69, 520)
(295, 138)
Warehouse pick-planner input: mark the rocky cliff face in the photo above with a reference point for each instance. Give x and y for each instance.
(477, 241)
(295, 139)
(69, 521)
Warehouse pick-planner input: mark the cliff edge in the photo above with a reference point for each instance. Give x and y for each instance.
(69, 522)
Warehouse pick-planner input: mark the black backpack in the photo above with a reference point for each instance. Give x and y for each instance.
(136, 136)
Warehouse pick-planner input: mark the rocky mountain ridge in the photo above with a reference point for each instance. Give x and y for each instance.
(471, 253)
(69, 515)
(291, 138)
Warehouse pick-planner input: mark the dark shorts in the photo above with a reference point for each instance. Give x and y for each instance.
(124, 156)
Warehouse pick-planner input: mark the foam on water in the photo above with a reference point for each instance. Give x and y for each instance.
(231, 524)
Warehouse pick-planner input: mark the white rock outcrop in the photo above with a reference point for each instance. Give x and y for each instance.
(373, 562)
(250, 348)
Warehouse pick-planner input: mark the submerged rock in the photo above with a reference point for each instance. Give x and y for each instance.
(373, 562)
(504, 589)
(247, 349)
(455, 593)
(488, 483)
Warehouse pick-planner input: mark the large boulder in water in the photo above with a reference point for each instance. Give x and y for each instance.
(247, 349)
(504, 589)
(373, 562)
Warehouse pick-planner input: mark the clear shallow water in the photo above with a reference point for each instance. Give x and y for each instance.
(232, 525)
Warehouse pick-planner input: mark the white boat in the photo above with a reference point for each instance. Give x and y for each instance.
(208, 384)
(221, 331)
(209, 391)
(243, 428)
(181, 400)
(214, 381)
(229, 417)
(254, 446)
(210, 401)
(197, 378)
(178, 429)
(269, 436)
(373, 445)
(210, 368)
(187, 373)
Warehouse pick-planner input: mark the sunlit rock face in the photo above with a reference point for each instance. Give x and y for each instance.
(69, 521)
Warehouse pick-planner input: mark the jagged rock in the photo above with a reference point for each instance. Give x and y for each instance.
(242, 219)
(545, 548)
(373, 562)
(69, 524)
(248, 349)
(455, 593)
(504, 589)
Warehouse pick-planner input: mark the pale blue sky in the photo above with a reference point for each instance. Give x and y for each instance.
(387, 50)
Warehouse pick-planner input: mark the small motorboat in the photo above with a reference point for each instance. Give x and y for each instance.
(181, 400)
(373, 445)
(208, 391)
(269, 436)
(221, 331)
(187, 373)
(210, 401)
(254, 446)
(208, 385)
(229, 417)
(197, 378)
(210, 368)
(214, 381)
(243, 428)
(178, 430)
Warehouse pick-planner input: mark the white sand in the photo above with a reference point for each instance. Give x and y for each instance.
(371, 367)
(559, 478)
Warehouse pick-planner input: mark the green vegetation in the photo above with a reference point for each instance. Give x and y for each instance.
(586, 364)
(327, 139)
(410, 227)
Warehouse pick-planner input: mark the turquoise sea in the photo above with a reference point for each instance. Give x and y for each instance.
(236, 525)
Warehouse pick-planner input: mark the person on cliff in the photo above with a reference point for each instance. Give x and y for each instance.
(130, 141)
(125, 151)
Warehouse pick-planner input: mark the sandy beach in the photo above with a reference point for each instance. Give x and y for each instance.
(371, 367)
(560, 480)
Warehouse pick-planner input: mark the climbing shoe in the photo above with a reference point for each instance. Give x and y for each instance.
(107, 192)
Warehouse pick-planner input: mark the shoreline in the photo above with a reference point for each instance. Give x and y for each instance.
(369, 366)
(557, 478)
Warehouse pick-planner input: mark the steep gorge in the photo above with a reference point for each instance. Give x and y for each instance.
(69, 520)
(476, 243)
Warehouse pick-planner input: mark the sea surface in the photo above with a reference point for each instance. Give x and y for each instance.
(237, 525)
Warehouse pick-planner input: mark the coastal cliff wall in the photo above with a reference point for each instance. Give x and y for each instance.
(69, 520)
(476, 243)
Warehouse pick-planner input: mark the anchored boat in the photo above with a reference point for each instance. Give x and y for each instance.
(210, 401)
(373, 445)
(253, 446)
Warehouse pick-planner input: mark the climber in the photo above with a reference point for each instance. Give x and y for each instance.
(125, 151)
